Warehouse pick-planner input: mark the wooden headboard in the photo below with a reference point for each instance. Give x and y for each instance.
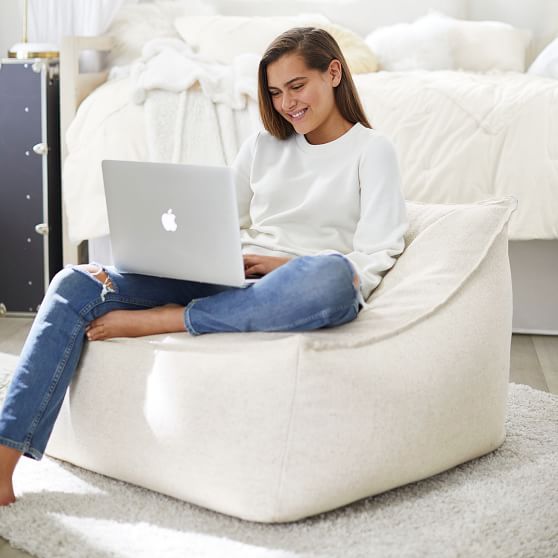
(74, 87)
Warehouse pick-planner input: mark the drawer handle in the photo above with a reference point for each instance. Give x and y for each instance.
(41, 228)
(40, 149)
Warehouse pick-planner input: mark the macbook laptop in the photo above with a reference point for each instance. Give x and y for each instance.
(174, 220)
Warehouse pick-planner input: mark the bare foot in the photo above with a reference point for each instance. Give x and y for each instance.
(7, 495)
(8, 461)
(136, 323)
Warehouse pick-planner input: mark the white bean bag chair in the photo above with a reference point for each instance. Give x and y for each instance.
(274, 427)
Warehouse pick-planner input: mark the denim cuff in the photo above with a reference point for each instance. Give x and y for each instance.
(187, 320)
(24, 448)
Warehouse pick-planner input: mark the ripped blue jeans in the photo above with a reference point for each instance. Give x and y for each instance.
(308, 292)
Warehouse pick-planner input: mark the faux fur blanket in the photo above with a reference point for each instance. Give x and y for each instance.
(171, 65)
(172, 119)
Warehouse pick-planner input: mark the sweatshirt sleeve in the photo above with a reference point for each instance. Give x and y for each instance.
(242, 166)
(378, 238)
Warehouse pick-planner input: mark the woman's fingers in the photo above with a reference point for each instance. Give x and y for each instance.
(250, 260)
(252, 265)
(261, 265)
(253, 270)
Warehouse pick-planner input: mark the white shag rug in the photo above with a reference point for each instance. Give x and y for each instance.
(504, 504)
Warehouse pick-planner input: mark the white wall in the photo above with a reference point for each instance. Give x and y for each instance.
(361, 16)
(11, 24)
(541, 16)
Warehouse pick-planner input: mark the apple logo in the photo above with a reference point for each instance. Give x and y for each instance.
(169, 221)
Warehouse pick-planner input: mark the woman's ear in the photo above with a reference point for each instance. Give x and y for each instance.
(335, 72)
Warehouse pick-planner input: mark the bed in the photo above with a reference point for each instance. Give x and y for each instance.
(461, 137)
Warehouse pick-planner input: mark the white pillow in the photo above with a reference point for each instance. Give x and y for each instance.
(440, 42)
(222, 38)
(546, 63)
(136, 24)
(481, 46)
(421, 45)
(359, 56)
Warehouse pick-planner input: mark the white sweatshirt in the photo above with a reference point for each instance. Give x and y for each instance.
(344, 196)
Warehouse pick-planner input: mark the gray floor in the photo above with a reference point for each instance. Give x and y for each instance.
(534, 361)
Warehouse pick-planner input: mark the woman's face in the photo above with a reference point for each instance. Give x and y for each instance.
(305, 97)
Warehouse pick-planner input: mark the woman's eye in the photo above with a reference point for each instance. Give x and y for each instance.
(274, 93)
(297, 86)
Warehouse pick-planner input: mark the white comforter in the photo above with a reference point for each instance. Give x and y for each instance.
(464, 137)
(461, 138)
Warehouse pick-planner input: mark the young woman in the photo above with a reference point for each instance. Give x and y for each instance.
(322, 219)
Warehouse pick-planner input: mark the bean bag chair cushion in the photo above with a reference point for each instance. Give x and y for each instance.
(274, 427)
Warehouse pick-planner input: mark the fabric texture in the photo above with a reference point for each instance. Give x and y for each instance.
(274, 427)
(440, 42)
(501, 505)
(482, 46)
(284, 193)
(502, 140)
(171, 65)
(169, 119)
(421, 45)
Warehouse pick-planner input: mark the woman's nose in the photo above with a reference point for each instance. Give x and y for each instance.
(287, 102)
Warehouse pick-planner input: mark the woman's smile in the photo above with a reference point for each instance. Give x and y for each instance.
(297, 115)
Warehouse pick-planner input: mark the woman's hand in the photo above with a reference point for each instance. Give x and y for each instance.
(261, 265)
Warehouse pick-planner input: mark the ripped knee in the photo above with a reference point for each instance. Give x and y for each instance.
(101, 275)
(356, 281)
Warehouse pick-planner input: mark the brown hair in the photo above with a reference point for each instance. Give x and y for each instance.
(317, 48)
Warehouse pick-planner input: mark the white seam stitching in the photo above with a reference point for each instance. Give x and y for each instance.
(288, 439)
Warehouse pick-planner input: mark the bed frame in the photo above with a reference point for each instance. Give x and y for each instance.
(75, 85)
(534, 263)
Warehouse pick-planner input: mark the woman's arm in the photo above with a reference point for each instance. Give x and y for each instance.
(242, 166)
(379, 235)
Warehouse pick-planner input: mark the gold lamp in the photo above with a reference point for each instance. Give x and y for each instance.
(26, 49)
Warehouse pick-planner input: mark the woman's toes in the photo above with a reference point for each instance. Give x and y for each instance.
(94, 330)
(95, 333)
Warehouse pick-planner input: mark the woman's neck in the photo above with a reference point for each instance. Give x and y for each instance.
(329, 131)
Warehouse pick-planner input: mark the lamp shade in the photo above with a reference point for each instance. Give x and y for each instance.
(33, 50)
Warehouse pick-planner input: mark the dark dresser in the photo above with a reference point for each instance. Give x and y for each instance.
(30, 183)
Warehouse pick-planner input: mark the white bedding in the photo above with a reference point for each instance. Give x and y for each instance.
(461, 138)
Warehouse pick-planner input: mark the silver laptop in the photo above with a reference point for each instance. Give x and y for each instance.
(174, 220)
